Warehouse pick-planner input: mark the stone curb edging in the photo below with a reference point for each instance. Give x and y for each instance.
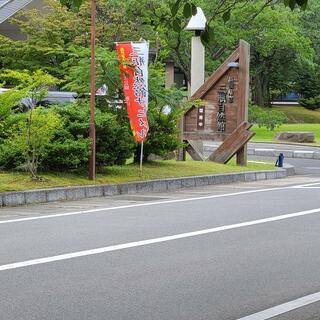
(81, 192)
(300, 154)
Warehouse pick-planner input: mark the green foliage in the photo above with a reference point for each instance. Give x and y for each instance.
(114, 139)
(165, 109)
(311, 103)
(32, 85)
(78, 74)
(308, 81)
(72, 4)
(8, 100)
(69, 148)
(270, 119)
(70, 145)
(31, 135)
(32, 132)
(221, 9)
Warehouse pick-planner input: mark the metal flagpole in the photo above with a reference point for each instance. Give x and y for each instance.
(141, 157)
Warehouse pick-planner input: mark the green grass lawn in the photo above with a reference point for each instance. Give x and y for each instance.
(299, 114)
(265, 135)
(17, 181)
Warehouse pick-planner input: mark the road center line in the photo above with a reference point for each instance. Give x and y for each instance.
(65, 214)
(153, 241)
(284, 308)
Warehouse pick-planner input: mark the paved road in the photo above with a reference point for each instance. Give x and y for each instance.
(302, 166)
(218, 253)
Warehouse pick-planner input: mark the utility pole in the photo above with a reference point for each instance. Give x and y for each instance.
(92, 133)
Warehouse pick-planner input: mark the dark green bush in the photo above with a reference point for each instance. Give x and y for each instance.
(70, 147)
(311, 104)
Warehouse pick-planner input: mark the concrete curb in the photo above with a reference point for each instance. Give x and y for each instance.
(81, 192)
(300, 154)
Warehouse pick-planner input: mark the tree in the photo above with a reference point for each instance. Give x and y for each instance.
(31, 137)
(222, 9)
(31, 134)
(308, 73)
(48, 33)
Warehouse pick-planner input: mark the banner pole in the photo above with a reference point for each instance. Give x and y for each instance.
(141, 157)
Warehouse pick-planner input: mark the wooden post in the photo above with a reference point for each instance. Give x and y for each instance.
(181, 152)
(244, 78)
(92, 158)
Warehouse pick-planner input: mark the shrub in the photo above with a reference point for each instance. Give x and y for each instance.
(270, 119)
(70, 146)
(311, 104)
(31, 136)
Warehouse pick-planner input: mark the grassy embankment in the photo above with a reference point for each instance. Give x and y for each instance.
(264, 135)
(16, 181)
(299, 114)
(299, 119)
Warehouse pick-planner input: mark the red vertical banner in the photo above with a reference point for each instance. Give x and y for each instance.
(133, 58)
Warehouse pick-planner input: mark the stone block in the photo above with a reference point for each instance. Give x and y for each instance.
(251, 152)
(281, 173)
(271, 175)
(303, 154)
(131, 187)
(56, 194)
(111, 190)
(250, 176)
(188, 182)
(260, 176)
(296, 136)
(159, 186)
(76, 193)
(146, 186)
(94, 191)
(1, 200)
(266, 152)
(228, 178)
(14, 199)
(35, 196)
(174, 184)
(201, 181)
(123, 188)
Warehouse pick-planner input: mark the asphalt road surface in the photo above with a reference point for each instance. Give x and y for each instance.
(243, 251)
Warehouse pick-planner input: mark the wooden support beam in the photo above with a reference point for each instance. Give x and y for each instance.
(193, 150)
(234, 144)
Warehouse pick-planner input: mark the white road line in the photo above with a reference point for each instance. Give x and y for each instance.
(308, 188)
(306, 185)
(65, 214)
(153, 241)
(284, 308)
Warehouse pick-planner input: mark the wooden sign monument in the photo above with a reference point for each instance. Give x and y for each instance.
(224, 117)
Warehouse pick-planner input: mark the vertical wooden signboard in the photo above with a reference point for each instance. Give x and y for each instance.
(224, 117)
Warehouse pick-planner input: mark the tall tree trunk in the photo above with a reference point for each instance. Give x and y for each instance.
(260, 90)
